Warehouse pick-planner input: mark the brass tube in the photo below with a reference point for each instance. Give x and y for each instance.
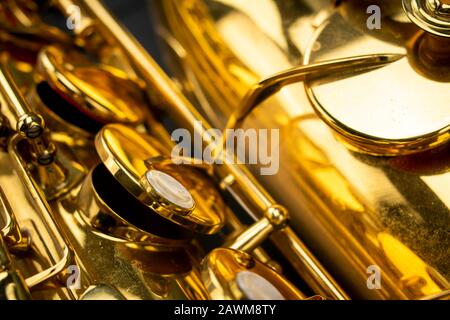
(253, 236)
(13, 98)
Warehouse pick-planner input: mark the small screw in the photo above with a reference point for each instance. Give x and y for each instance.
(31, 126)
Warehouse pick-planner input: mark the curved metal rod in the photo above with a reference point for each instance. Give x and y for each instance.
(329, 70)
(261, 91)
(51, 271)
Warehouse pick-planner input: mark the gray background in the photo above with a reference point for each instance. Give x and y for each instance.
(136, 15)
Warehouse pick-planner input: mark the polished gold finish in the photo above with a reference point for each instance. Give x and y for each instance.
(167, 194)
(12, 285)
(276, 218)
(354, 209)
(320, 73)
(60, 253)
(390, 132)
(222, 267)
(431, 15)
(99, 208)
(208, 212)
(313, 72)
(89, 190)
(124, 152)
(54, 178)
(10, 231)
(246, 189)
(93, 88)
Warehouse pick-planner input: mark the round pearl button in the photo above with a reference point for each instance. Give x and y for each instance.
(255, 287)
(170, 189)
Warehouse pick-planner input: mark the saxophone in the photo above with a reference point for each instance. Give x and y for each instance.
(104, 195)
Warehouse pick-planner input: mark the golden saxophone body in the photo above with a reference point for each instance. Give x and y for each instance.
(94, 205)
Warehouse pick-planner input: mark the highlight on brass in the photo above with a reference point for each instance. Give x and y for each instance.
(95, 204)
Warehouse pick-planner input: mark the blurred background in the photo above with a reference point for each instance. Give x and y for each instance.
(136, 15)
